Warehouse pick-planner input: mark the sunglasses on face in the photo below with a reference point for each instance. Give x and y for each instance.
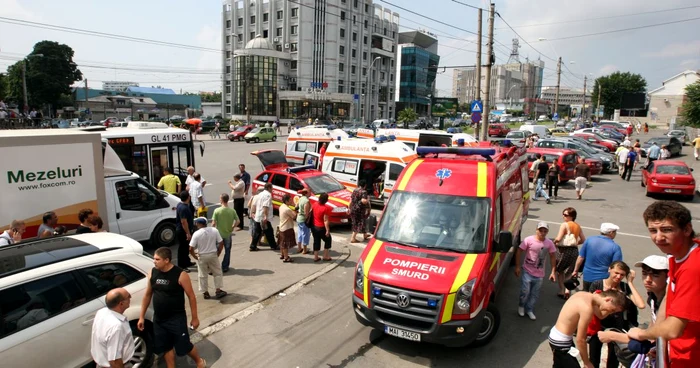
(565, 214)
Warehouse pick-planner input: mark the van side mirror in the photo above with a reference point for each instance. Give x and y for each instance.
(504, 242)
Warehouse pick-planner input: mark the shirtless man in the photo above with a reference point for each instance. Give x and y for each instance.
(575, 316)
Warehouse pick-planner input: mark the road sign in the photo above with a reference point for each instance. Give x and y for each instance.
(555, 117)
(356, 97)
(477, 106)
(476, 117)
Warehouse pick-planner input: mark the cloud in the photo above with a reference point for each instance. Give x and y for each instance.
(689, 64)
(12, 9)
(677, 49)
(607, 69)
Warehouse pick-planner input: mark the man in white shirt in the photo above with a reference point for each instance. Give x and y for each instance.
(263, 215)
(208, 242)
(197, 195)
(190, 179)
(112, 344)
(622, 157)
(13, 234)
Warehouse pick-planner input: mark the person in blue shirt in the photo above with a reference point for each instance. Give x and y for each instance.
(653, 153)
(597, 253)
(629, 164)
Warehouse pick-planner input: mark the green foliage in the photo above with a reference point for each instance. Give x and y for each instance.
(3, 86)
(690, 110)
(614, 86)
(14, 83)
(407, 115)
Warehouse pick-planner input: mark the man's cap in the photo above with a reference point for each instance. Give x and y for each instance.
(654, 262)
(542, 224)
(607, 227)
(200, 220)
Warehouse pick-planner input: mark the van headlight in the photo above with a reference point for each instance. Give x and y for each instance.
(359, 278)
(340, 210)
(463, 298)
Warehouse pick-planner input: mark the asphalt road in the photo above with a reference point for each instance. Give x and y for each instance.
(316, 327)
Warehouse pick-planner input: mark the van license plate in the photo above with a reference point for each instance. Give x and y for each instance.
(408, 335)
(344, 221)
(672, 190)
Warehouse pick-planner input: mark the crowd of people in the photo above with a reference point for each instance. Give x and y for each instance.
(604, 308)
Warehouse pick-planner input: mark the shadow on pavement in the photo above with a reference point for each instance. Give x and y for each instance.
(234, 298)
(206, 349)
(248, 272)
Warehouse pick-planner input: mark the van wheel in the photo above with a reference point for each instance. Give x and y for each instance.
(274, 138)
(164, 234)
(489, 325)
(143, 341)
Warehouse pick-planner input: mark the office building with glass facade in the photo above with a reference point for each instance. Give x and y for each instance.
(417, 61)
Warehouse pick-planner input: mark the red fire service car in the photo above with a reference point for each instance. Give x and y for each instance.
(443, 246)
(286, 179)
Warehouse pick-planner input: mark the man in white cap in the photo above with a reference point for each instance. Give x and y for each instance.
(621, 155)
(536, 248)
(209, 244)
(654, 274)
(597, 253)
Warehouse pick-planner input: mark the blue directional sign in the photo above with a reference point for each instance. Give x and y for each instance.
(356, 97)
(477, 106)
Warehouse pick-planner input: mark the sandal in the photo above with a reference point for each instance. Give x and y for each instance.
(317, 259)
(367, 237)
(281, 257)
(305, 251)
(206, 295)
(355, 241)
(288, 260)
(328, 259)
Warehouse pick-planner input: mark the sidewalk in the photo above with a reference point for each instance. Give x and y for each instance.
(256, 276)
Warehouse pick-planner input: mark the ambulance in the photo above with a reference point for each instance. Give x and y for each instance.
(305, 140)
(412, 137)
(469, 140)
(444, 245)
(378, 162)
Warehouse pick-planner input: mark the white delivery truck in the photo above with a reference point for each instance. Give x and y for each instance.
(65, 171)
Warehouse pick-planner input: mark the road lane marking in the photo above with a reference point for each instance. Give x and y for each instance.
(597, 229)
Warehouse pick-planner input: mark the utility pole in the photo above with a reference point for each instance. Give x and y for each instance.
(556, 97)
(583, 108)
(487, 92)
(24, 86)
(597, 109)
(478, 70)
(86, 98)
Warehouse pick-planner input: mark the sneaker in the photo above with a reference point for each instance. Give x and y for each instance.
(548, 201)
(521, 311)
(531, 315)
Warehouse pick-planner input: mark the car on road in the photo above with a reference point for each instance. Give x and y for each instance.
(518, 137)
(261, 134)
(51, 289)
(672, 143)
(608, 160)
(595, 164)
(565, 158)
(351, 128)
(290, 180)
(240, 133)
(109, 121)
(498, 130)
(669, 177)
(558, 132)
(616, 128)
(542, 118)
(680, 134)
(610, 144)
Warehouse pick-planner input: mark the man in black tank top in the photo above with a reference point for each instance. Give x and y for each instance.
(167, 285)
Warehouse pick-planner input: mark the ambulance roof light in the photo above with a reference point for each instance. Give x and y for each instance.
(339, 138)
(300, 168)
(484, 152)
(392, 137)
(381, 139)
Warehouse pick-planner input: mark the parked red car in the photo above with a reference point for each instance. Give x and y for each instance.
(498, 130)
(619, 130)
(669, 177)
(565, 158)
(595, 164)
(597, 139)
(239, 134)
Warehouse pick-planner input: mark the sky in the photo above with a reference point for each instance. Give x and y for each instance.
(657, 53)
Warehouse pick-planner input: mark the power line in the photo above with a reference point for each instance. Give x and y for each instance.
(606, 17)
(625, 29)
(467, 5)
(426, 17)
(524, 40)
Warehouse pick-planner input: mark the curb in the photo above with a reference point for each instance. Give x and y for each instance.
(228, 321)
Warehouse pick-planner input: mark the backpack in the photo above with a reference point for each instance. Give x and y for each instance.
(570, 240)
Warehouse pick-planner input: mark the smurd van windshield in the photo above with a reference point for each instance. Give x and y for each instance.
(436, 221)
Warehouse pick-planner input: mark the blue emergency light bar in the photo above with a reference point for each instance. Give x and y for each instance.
(462, 151)
(300, 168)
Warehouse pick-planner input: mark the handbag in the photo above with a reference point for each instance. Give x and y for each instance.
(624, 355)
(570, 240)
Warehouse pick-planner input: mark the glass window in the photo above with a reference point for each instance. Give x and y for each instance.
(672, 170)
(306, 147)
(345, 166)
(295, 184)
(352, 69)
(294, 64)
(293, 47)
(264, 177)
(228, 23)
(459, 224)
(266, 17)
(394, 171)
(323, 184)
(341, 89)
(279, 180)
(341, 67)
(135, 195)
(278, 32)
(252, 19)
(342, 33)
(295, 12)
(109, 276)
(294, 30)
(342, 15)
(354, 53)
(27, 304)
(354, 37)
(354, 3)
(280, 15)
(341, 50)
(364, 55)
(265, 34)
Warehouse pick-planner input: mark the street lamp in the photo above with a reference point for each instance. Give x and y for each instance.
(24, 79)
(367, 92)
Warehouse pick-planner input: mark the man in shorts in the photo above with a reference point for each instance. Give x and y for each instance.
(582, 173)
(671, 229)
(168, 285)
(574, 318)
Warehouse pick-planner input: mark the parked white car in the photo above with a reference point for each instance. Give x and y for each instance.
(51, 289)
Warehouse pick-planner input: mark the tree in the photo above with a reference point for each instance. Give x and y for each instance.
(690, 110)
(614, 87)
(3, 86)
(49, 76)
(407, 115)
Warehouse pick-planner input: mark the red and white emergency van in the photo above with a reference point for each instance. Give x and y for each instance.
(443, 245)
(302, 140)
(411, 137)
